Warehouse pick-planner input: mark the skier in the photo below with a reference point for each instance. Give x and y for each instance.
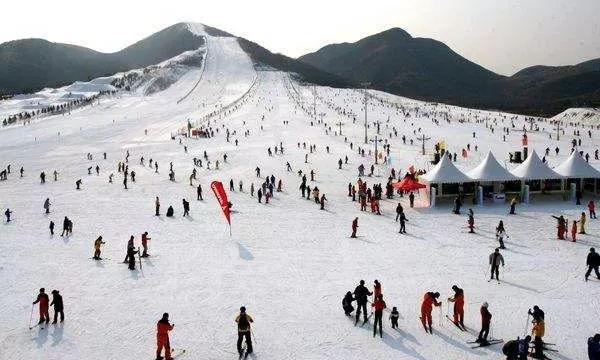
(411, 199)
(131, 255)
(243, 321)
(376, 289)
(592, 209)
(199, 192)
(65, 226)
(495, 259)
(593, 263)
(538, 330)
(186, 207)
(347, 304)
(7, 214)
(403, 221)
(378, 305)
(459, 302)
(157, 206)
(97, 249)
(78, 184)
(561, 226)
(594, 347)
(394, 317)
(57, 302)
(162, 337)
(259, 195)
(486, 318)
(429, 300)
(43, 300)
(145, 239)
(399, 210)
(51, 227)
(47, 205)
(130, 247)
(500, 234)
(354, 227)
(360, 294)
(322, 201)
(582, 223)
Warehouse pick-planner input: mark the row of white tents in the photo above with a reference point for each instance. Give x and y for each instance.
(490, 170)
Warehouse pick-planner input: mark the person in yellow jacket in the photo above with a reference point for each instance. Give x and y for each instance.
(582, 223)
(243, 321)
(538, 330)
(513, 205)
(97, 245)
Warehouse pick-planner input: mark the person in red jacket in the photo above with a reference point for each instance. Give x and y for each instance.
(429, 300)
(162, 337)
(354, 227)
(592, 209)
(376, 289)
(379, 305)
(459, 303)
(43, 300)
(486, 318)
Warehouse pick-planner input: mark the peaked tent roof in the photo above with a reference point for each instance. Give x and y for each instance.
(576, 167)
(534, 169)
(445, 172)
(490, 170)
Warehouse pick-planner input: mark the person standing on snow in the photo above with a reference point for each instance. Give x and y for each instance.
(429, 300)
(130, 246)
(411, 199)
(513, 205)
(162, 337)
(486, 318)
(322, 201)
(592, 209)
(360, 294)
(7, 214)
(51, 227)
(399, 210)
(594, 347)
(354, 227)
(459, 302)
(378, 305)
(145, 239)
(97, 244)
(495, 259)
(57, 302)
(243, 321)
(593, 263)
(43, 300)
(582, 223)
(186, 207)
(47, 205)
(471, 222)
(561, 226)
(500, 234)
(376, 289)
(157, 206)
(403, 221)
(199, 192)
(394, 315)
(538, 330)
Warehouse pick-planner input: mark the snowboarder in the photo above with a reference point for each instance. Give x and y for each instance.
(97, 251)
(394, 316)
(459, 302)
(486, 318)
(43, 300)
(354, 227)
(360, 294)
(145, 239)
(243, 321)
(593, 263)
(495, 260)
(378, 305)
(347, 304)
(429, 300)
(162, 337)
(57, 302)
(47, 205)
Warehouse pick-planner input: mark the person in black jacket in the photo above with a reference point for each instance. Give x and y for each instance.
(186, 207)
(360, 294)
(593, 262)
(399, 210)
(403, 221)
(57, 302)
(347, 303)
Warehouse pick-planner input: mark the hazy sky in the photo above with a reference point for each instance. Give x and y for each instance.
(502, 35)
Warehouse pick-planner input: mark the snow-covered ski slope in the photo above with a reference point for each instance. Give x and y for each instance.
(288, 262)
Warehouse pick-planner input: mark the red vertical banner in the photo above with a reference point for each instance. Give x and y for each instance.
(217, 188)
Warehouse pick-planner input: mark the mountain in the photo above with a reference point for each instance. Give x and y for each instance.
(31, 64)
(429, 70)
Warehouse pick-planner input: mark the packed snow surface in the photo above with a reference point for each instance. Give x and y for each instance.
(288, 262)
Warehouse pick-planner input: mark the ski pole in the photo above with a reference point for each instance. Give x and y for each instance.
(31, 316)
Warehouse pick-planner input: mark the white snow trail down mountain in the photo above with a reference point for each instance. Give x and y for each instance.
(288, 262)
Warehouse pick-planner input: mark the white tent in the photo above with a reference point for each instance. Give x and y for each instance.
(576, 167)
(445, 173)
(490, 170)
(534, 169)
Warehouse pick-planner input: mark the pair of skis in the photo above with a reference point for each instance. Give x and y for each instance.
(458, 325)
(485, 343)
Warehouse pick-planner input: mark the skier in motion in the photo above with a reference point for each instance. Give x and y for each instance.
(243, 321)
